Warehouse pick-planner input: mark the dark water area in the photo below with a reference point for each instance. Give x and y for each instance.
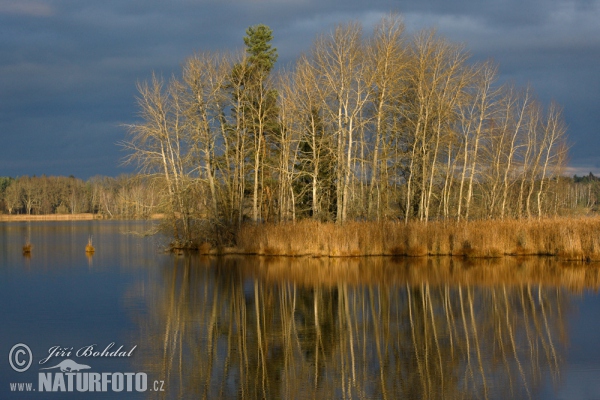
(139, 323)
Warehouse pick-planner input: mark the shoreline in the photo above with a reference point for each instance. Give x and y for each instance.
(563, 238)
(234, 251)
(65, 217)
(50, 217)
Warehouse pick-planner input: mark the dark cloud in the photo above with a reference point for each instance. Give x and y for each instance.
(68, 68)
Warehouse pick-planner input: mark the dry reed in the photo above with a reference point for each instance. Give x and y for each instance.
(566, 238)
(27, 248)
(89, 248)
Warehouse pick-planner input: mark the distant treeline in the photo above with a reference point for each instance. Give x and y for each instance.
(127, 196)
(139, 196)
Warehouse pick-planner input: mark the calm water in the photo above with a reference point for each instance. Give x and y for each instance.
(244, 327)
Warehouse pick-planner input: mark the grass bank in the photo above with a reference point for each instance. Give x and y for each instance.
(566, 238)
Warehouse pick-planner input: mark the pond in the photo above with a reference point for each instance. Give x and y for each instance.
(131, 321)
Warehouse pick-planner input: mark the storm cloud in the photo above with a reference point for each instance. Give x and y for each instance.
(69, 68)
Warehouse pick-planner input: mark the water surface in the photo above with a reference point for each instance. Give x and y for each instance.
(256, 327)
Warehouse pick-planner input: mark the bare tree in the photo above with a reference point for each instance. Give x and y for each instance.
(339, 64)
(438, 77)
(554, 149)
(203, 91)
(476, 115)
(158, 145)
(386, 64)
(13, 197)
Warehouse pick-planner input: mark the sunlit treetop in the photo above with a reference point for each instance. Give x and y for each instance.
(262, 54)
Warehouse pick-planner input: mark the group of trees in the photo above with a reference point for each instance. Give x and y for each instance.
(388, 126)
(123, 197)
(581, 194)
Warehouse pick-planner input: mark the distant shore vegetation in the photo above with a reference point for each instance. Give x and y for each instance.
(140, 196)
(378, 127)
(123, 197)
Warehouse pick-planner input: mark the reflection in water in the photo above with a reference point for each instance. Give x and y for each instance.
(364, 328)
(90, 259)
(59, 245)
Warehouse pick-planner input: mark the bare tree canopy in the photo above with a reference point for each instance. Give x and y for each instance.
(384, 126)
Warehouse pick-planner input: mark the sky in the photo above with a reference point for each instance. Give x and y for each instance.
(69, 68)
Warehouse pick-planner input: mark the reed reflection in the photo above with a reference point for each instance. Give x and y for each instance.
(364, 328)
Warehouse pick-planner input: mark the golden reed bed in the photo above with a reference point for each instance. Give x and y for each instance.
(566, 238)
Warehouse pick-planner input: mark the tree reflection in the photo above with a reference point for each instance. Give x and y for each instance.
(377, 328)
